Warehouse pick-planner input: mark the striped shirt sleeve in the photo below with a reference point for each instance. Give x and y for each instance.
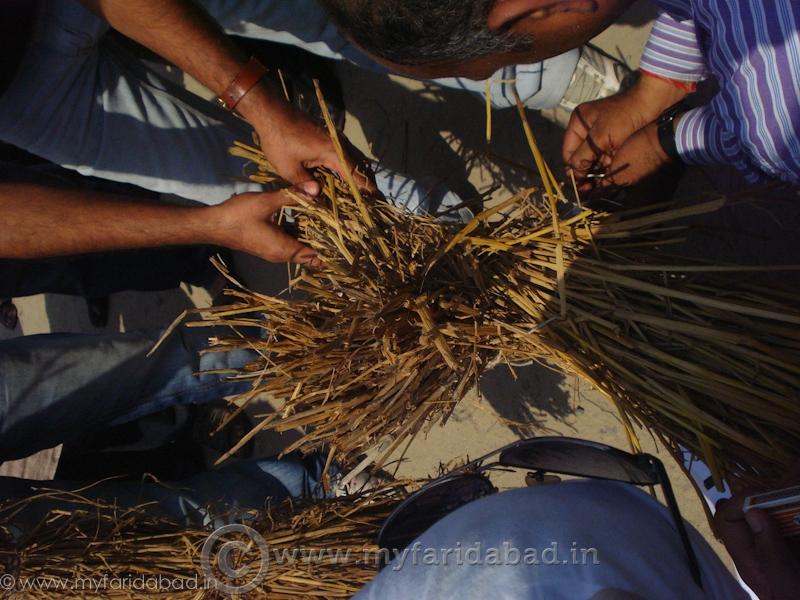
(699, 138)
(753, 122)
(672, 50)
(703, 138)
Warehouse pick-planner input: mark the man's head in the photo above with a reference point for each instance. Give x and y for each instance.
(419, 32)
(469, 38)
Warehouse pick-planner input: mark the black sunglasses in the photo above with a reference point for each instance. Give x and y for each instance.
(564, 456)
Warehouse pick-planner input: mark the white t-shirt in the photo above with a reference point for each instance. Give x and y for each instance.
(574, 540)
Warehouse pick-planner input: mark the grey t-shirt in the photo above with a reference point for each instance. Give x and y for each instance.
(575, 540)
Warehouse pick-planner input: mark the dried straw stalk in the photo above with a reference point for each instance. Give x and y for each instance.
(408, 313)
(325, 549)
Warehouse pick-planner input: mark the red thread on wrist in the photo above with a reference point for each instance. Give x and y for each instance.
(686, 86)
(245, 80)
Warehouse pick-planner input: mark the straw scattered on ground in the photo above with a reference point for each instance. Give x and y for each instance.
(91, 548)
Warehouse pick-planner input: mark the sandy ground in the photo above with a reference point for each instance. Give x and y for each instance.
(422, 131)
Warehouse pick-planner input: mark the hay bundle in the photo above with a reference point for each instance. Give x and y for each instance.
(89, 548)
(409, 312)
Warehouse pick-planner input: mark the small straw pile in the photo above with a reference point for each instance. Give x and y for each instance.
(324, 549)
(409, 312)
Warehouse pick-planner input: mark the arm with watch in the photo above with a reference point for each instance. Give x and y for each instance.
(184, 34)
(750, 124)
(632, 134)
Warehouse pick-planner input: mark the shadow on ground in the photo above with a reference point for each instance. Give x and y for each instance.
(450, 147)
(527, 397)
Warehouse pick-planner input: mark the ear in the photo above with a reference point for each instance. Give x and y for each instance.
(505, 13)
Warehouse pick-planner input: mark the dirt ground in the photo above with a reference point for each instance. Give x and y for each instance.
(445, 129)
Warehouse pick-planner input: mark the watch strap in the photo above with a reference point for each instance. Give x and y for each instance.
(666, 130)
(244, 81)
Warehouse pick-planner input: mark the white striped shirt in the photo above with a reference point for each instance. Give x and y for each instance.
(752, 47)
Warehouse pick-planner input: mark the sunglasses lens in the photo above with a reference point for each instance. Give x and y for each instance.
(427, 506)
(583, 459)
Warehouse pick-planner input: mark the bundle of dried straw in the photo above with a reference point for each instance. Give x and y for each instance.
(408, 313)
(90, 548)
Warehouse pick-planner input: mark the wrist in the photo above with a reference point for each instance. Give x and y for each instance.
(211, 225)
(264, 108)
(652, 133)
(667, 127)
(247, 78)
(656, 95)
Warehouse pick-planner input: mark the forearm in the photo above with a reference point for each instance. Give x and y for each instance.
(649, 97)
(181, 32)
(184, 34)
(38, 221)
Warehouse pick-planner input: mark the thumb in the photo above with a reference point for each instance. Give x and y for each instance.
(301, 178)
(574, 136)
(279, 246)
(310, 187)
(288, 197)
(776, 562)
(766, 535)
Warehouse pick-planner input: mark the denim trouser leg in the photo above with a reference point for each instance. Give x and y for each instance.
(226, 493)
(56, 387)
(250, 484)
(100, 274)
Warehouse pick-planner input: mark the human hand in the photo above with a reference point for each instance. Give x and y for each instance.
(294, 144)
(768, 562)
(247, 222)
(639, 157)
(598, 130)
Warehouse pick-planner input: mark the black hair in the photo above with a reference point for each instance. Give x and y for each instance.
(418, 32)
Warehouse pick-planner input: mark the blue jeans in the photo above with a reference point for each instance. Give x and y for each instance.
(56, 388)
(203, 500)
(82, 101)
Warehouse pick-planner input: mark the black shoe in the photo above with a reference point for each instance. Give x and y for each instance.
(9, 316)
(99, 309)
(158, 444)
(207, 418)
